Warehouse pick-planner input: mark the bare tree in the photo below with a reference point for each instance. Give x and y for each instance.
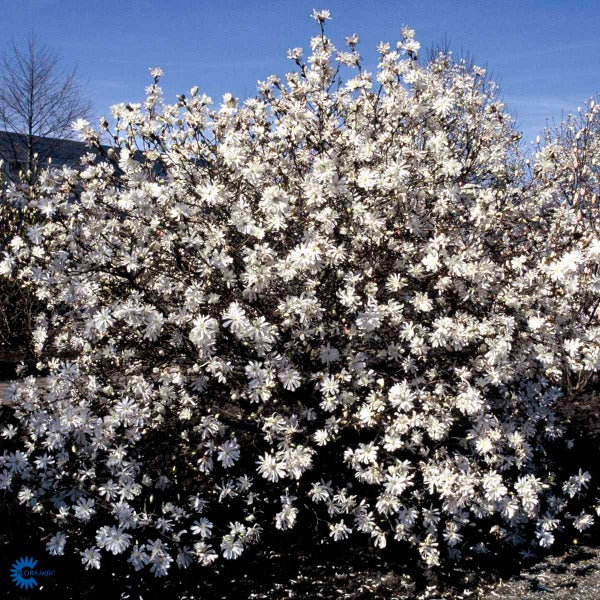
(38, 102)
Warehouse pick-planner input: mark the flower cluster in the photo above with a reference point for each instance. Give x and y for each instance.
(346, 304)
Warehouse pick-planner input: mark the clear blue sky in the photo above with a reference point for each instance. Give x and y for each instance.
(544, 53)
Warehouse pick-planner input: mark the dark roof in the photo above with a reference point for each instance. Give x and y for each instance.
(13, 149)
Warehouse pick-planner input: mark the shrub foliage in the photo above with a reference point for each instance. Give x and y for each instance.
(346, 304)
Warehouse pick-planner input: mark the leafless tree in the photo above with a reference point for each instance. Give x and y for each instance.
(38, 99)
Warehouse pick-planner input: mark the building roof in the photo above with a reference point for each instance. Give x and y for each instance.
(14, 152)
(13, 149)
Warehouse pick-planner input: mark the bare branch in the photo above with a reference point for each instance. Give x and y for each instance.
(38, 99)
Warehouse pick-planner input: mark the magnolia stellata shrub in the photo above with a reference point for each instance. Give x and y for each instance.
(566, 173)
(18, 306)
(336, 305)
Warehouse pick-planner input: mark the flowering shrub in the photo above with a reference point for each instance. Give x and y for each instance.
(18, 306)
(342, 304)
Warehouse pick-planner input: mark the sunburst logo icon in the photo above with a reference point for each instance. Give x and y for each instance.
(21, 574)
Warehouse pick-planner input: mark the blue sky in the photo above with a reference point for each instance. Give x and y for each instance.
(544, 53)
